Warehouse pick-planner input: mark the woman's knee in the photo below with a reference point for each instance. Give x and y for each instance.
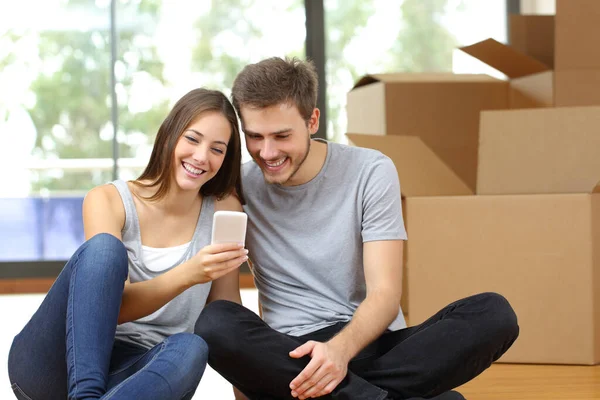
(106, 242)
(192, 358)
(107, 255)
(192, 347)
(198, 350)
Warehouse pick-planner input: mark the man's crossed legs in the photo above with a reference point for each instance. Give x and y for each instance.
(450, 348)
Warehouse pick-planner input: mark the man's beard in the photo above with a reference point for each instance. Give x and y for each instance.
(295, 171)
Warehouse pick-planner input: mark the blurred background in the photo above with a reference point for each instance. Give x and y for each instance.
(85, 84)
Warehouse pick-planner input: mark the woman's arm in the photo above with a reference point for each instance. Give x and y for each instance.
(211, 263)
(228, 286)
(103, 212)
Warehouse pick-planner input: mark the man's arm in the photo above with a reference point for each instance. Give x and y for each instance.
(383, 275)
(329, 363)
(382, 229)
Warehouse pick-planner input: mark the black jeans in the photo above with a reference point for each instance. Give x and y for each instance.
(450, 348)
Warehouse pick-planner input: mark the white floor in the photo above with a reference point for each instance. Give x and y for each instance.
(17, 309)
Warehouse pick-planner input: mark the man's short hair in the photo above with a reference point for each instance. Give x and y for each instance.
(277, 81)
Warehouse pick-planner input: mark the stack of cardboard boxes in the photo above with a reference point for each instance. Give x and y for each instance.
(499, 180)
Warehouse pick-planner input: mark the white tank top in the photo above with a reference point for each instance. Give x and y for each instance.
(159, 259)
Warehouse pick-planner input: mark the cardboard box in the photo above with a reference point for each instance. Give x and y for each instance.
(421, 173)
(577, 87)
(577, 33)
(541, 252)
(566, 42)
(532, 91)
(551, 150)
(533, 35)
(577, 59)
(420, 170)
(530, 80)
(442, 109)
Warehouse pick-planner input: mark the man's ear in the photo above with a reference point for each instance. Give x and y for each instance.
(313, 122)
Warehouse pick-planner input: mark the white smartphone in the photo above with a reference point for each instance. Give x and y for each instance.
(229, 227)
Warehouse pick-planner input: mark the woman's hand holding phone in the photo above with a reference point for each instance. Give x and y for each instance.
(216, 260)
(226, 251)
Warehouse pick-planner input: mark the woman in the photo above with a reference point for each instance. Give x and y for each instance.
(118, 321)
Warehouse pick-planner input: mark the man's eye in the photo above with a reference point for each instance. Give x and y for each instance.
(282, 136)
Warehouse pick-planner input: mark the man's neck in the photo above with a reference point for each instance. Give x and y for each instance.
(312, 165)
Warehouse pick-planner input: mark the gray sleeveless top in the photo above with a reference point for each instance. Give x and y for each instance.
(180, 314)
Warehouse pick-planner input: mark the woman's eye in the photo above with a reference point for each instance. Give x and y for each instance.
(191, 139)
(219, 151)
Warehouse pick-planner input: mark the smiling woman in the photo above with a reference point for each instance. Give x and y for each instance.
(200, 154)
(124, 307)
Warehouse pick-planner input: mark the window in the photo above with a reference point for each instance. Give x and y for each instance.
(54, 119)
(56, 126)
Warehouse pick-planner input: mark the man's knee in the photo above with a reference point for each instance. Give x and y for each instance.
(217, 322)
(502, 315)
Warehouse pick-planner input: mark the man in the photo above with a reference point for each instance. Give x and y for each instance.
(325, 238)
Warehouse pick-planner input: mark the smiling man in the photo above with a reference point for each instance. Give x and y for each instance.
(325, 238)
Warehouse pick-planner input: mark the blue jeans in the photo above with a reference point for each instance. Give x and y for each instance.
(68, 350)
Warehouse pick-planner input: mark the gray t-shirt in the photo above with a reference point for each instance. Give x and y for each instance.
(180, 314)
(306, 241)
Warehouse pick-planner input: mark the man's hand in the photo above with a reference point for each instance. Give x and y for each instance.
(323, 373)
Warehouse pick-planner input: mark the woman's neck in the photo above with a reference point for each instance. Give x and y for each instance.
(174, 202)
(178, 201)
